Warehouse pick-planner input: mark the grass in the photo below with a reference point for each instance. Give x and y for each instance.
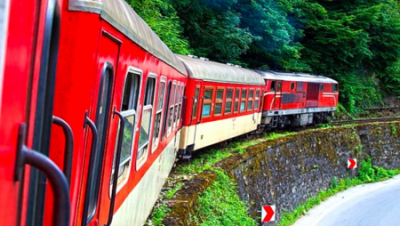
(367, 174)
(170, 193)
(158, 214)
(221, 205)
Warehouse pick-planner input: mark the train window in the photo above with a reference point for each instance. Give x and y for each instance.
(158, 120)
(218, 102)
(272, 88)
(243, 100)
(228, 102)
(334, 88)
(322, 87)
(166, 110)
(128, 111)
(292, 86)
(145, 125)
(177, 101)
(251, 99)
(180, 104)
(300, 87)
(208, 96)
(279, 87)
(236, 108)
(257, 100)
(131, 92)
(171, 108)
(195, 102)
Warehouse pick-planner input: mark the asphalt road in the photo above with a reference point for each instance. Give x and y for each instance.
(376, 204)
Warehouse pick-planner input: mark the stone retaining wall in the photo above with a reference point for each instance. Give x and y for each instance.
(288, 171)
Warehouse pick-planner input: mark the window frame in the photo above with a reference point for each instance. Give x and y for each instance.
(171, 107)
(195, 104)
(182, 94)
(219, 101)
(243, 99)
(156, 141)
(139, 72)
(250, 99)
(335, 88)
(257, 99)
(228, 100)
(208, 101)
(176, 105)
(140, 161)
(237, 100)
(272, 86)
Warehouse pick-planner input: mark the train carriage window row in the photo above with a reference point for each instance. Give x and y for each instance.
(226, 101)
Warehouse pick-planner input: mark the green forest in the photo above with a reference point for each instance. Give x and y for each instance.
(356, 42)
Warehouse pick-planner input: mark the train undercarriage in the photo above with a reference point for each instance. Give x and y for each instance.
(296, 120)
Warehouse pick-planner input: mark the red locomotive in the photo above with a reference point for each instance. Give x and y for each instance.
(297, 99)
(95, 108)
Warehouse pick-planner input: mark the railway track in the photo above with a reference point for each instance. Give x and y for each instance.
(357, 121)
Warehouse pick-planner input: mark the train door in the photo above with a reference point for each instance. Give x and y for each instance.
(278, 95)
(198, 102)
(101, 130)
(26, 114)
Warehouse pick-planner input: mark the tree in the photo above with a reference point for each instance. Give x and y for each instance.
(163, 20)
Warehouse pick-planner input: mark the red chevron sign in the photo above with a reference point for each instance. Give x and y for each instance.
(268, 213)
(352, 163)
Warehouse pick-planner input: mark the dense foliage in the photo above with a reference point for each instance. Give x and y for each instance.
(354, 41)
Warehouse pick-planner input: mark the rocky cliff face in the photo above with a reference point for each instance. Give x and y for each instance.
(288, 171)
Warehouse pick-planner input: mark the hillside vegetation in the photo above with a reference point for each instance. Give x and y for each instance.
(356, 42)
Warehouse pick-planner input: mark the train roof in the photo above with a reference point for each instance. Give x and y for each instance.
(218, 72)
(119, 14)
(295, 76)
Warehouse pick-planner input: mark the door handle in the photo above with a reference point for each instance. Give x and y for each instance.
(57, 179)
(69, 146)
(116, 171)
(93, 147)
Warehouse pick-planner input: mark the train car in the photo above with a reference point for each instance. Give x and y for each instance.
(28, 55)
(297, 99)
(120, 90)
(98, 95)
(223, 101)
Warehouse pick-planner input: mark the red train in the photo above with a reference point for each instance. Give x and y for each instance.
(95, 108)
